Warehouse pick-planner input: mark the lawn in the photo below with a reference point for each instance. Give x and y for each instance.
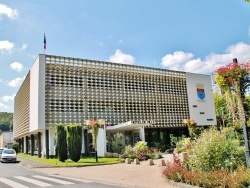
(85, 161)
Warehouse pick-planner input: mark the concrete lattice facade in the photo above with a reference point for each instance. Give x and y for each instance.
(78, 89)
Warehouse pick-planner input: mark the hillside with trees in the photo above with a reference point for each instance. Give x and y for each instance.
(5, 121)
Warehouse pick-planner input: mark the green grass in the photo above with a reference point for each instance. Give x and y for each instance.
(85, 161)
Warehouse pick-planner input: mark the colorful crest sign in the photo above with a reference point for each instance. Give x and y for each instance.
(200, 92)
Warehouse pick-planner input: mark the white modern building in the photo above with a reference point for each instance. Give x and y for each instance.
(138, 101)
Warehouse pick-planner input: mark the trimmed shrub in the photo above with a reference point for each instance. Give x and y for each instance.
(62, 143)
(74, 141)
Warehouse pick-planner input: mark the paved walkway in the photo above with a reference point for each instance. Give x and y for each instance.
(127, 175)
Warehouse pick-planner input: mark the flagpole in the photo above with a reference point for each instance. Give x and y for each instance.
(44, 44)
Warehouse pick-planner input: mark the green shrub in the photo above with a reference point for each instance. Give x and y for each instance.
(183, 145)
(62, 143)
(74, 139)
(215, 150)
(141, 146)
(15, 147)
(117, 143)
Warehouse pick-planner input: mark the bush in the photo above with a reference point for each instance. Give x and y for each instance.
(62, 143)
(141, 146)
(15, 147)
(74, 139)
(216, 150)
(117, 143)
(141, 151)
(217, 178)
(183, 146)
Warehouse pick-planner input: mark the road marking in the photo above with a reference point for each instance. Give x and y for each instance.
(70, 178)
(36, 182)
(53, 179)
(12, 183)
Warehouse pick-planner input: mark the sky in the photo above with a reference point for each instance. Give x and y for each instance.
(192, 36)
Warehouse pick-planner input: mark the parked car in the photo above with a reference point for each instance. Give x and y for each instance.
(1, 150)
(8, 155)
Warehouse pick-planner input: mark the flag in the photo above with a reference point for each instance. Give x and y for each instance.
(44, 42)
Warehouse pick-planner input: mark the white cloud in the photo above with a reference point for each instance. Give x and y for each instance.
(8, 98)
(9, 12)
(120, 57)
(3, 106)
(16, 82)
(24, 46)
(6, 46)
(186, 62)
(177, 58)
(16, 66)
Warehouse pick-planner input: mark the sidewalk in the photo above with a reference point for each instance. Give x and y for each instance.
(127, 175)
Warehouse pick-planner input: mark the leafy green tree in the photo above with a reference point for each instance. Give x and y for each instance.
(62, 143)
(5, 121)
(221, 111)
(74, 141)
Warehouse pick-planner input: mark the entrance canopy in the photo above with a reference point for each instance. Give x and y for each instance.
(127, 126)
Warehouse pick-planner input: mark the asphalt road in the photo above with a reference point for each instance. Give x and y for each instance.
(17, 176)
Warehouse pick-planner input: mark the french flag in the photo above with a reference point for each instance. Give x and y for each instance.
(44, 42)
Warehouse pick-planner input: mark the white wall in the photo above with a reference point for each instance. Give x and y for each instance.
(37, 94)
(202, 111)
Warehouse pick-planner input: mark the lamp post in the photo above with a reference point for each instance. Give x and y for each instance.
(95, 124)
(246, 84)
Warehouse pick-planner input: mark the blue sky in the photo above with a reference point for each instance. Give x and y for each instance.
(194, 36)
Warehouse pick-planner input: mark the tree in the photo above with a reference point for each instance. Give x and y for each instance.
(74, 138)
(5, 121)
(95, 124)
(62, 143)
(221, 111)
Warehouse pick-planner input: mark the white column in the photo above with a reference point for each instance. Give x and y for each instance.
(142, 134)
(101, 142)
(83, 143)
(52, 141)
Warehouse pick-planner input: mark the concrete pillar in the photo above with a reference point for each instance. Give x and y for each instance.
(142, 134)
(32, 145)
(136, 161)
(39, 144)
(47, 143)
(127, 161)
(22, 145)
(26, 144)
(150, 162)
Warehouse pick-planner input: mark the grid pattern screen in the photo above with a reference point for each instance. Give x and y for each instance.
(79, 89)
